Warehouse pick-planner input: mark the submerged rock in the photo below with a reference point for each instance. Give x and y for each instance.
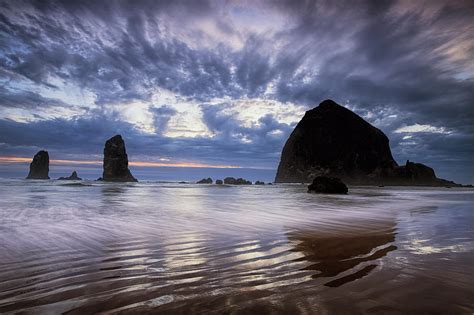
(238, 181)
(205, 181)
(72, 177)
(219, 182)
(116, 161)
(330, 140)
(327, 185)
(39, 167)
(259, 183)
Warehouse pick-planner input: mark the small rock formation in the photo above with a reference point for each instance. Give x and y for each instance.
(39, 167)
(327, 185)
(330, 140)
(238, 181)
(116, 161)
(259, 183)
(72, 177)
(219, 182)
(205, 181)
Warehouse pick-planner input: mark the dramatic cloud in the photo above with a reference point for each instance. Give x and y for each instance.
(225, 82)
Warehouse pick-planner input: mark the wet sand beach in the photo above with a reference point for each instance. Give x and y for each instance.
(88, 247)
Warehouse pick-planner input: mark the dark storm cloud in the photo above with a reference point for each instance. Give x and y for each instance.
(395, 62)
(161, 117)
(69, 138)
(26, 99)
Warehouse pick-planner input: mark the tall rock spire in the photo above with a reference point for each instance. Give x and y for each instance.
(39, 167)
(116, 161)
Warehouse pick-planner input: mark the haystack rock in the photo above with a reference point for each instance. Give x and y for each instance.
(39, 167)
(72, 177)
(116, 161)
(333, 141)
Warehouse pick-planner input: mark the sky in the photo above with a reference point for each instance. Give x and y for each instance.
(223, 83)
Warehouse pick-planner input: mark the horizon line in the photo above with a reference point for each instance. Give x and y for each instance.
(17, 159)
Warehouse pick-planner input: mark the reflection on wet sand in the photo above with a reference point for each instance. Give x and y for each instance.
(158, 248)
(334, 255)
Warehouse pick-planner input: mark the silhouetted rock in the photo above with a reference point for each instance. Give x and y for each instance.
(205, 181)
(219, 182)
(415, 172)
(333, 141)
(259, 183)
(116, 161)
(39, 167)
(72, 177)
(327, 185)
(100, 179)
(238, 181)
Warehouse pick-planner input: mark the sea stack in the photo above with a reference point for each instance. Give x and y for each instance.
(39, 167)
(72, 177)
(116, 161)
(330, 140)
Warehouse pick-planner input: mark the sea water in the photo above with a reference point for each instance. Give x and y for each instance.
(88, 247)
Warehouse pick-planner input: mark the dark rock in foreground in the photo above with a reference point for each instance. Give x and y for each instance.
(39, 167)
(72, 177)
(238, 181)
(219, 182)
(205, 181)
(333, 141)
(259, 183)
(116, 161)
(327, 185)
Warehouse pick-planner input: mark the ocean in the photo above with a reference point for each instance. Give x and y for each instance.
(93, 247)
(166, 174)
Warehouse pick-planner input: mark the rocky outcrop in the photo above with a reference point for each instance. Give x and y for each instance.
(219, 182)
(39, 167)
(72, 177)
(259, 183)
(330, 140)
(205, 181)
(116, 161)
(417, 174)
(327, 185)
(238, 181)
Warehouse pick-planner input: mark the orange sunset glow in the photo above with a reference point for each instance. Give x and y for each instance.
(16, 159)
